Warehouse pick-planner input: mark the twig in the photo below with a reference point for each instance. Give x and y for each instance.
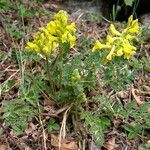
(44, 135)
(18, 81)
(61, 110)
(12, 138)
(10, 78)
(92, 143)
(54, 114)
(105, 19)
(48, 97)
(137, 98)
(62, 133)
(50, 115)
(83, 146)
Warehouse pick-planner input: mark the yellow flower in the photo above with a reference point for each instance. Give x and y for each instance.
(31, 46)
(130, 37)
(128, 55)
(60, 29)
(51, 27)
(99, 45)
(67, 37)
(119, 44)
(119, 52)
(43, 43)
(71, 27)
(109, 39)
(134, 27)
(62, 17)
(130, 19)
(72, 40)
(56, 32)
(113, 31)
(128, 49)
(110, 55)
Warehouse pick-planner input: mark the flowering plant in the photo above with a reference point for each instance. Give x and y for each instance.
(56, 32)
(56, 35)
(72, 76)
(74, 79)
(120, 44)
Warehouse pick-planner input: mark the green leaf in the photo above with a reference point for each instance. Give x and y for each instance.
(4, 4)
(24, 12)
(17, 114)
(147, 68)
(131, 105)
(105, 121)
(128, 127)
(132, 135)
(133, 130)
(8, 85)
(52, 125)
(145, 146)
(129, 2)
(96, 125)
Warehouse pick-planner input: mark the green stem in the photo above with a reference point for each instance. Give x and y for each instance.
(59, 58)
(136, 3)
(60, 76)
(60, 69)
(49, 77)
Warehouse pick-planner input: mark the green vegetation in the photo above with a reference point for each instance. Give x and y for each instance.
(58, 68)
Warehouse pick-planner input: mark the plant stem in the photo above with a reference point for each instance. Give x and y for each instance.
(49, 77)
(60, 67)
(60, 70)
(136, 3)
(60, 77)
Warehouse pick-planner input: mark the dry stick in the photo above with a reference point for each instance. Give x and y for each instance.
(92, 143)
(10, 78)
(54, 114)
(13, 86)
(62, 133)
(47, 96)
(44, 135)
(12, 138)
(83, 146)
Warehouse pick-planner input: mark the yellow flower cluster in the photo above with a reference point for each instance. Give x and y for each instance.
(56, 32)
(118, 43)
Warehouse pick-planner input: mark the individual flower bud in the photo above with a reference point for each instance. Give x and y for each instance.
(113, 31)
(99, 45)
(135, 28)
(130, 19)
(119, 52)
(110, 55)
(75, 75)
(110, 39)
